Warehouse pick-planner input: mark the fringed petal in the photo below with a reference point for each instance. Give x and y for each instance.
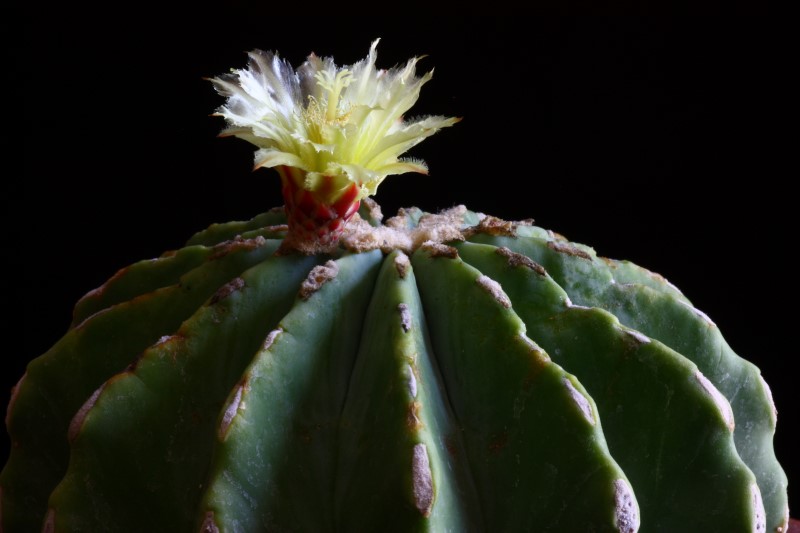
(267, 157)
(343, 123)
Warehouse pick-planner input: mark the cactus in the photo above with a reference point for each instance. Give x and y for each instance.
(317, 368)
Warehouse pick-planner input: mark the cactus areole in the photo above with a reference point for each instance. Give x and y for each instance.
(318, 368)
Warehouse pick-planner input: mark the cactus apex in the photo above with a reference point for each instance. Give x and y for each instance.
(333, 134)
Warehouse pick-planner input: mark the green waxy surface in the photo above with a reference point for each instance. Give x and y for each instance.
(399, 395)
(576, 267)
(646, 302)
(536, 451)
(140, 278)
(89, 354)
(275, 464)
(407, 413)
(220, 232)
(172, 396)
(627, 273)
(690, 332)
(659, 419)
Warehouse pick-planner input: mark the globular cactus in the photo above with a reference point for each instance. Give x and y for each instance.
(318, 369)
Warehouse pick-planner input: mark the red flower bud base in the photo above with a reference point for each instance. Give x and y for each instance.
(315, 223)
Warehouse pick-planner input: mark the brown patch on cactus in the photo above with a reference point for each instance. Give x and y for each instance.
(400, 222)
(515, 260)
(405, 317)
(405, 218)
(611, 263)
(77, 421)
(277, 228)
(236, 244)
(98, 292)
(412, 416)
(720, 401)
(626, 514)
(422, 480)
(235, 405)
(95, 293)
(49, 521)
(373, 208)
(359, 236)
(569, 249)
(409, 212)
(319, 276)
(226, 290)
(633, 336)
(14, 393)
(267, 344)
(441, 227)
(168, 344)
(402, 264)
(538, 359)
(534, 349)
(580, 400)
(133, 364)
(453, 215)
(166, 339)
(209, 523)
(494, 288)
(494, 226)
(498, 442)
(436, 249)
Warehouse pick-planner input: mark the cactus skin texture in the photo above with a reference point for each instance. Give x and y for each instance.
(508, 381)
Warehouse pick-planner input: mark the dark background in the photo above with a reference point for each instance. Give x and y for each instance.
(654, 140)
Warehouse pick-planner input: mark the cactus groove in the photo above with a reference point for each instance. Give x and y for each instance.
(509, 381)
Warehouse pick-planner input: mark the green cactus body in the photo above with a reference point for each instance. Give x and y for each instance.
(317, 370)
(649, 304)
(506, 380)
(96, 348)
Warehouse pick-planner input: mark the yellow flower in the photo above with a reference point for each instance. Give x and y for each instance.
(338, 126)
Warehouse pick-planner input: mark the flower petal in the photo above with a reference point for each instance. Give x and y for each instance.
(345, 123)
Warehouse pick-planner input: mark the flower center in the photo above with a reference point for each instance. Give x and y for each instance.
(334, 85)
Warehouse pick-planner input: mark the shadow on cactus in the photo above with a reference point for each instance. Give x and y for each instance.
(317, 368)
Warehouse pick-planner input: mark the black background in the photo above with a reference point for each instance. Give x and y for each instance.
(659, 141)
